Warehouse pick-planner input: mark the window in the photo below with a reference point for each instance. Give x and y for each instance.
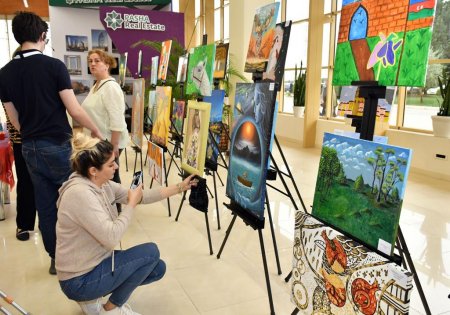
(221, 20)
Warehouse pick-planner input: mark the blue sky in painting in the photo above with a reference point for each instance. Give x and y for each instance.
(216, 100)
(346, 2)
(353, 154)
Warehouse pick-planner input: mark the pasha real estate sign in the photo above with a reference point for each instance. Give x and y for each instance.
(128, 27)
(90, 3)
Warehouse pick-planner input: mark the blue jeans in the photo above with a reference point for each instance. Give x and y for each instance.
(133, 267)
(49, 166)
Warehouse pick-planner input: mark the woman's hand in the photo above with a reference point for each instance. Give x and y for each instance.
(116, 150)
(135, 196)
(188, 182)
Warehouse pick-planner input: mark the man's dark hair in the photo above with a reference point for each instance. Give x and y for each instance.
(28, 27)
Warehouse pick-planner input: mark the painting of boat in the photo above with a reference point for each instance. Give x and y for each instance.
(244, 181)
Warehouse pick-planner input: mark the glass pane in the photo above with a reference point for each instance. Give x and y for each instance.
(440, 42)
(326, 44)
(288, 106)
(297, 10)
(217, 22)
(323, 92)
(327, 6)
(226, 22)
(298, 44)
(339, 5)
(197, 8)
(216, 3)
(422, 103)
(48, 48)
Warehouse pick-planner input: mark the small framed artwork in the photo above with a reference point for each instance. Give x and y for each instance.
(200, 70)
(122, 68)
(137, 112)
(196, 137)
(156, 162)
(176, 126)
(154, 71)
(81, 87)
(76, 43)
(164, 59)
(161, 122)
(73, 64)
(99, 39)
(182, 69)
(220, 63)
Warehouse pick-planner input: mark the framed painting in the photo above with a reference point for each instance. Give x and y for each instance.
(73, 64)
(277, 57)
(360, 188)
(123, 68)
(176, 126)
(200, 70)
(151, 108)
(334, 274)
(99, 39)
(249, 148)
(137, 112)
(182, 69)
(164, 59)
(385, 42)
(161, 124)
(215, 124)
(220, 62)
(156, 161)
(76, 43)
(196, 135)
(261, 37)
(154, 71)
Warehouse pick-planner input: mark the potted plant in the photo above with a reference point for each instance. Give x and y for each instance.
(441, 122)
(299, 90)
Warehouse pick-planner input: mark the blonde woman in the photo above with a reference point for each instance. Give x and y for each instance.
(89, 227)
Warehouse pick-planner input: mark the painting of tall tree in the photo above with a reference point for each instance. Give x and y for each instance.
(360, 188)
(385, 41)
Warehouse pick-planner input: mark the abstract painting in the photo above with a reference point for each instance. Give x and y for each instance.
(99, 39)
(360, 188)
(350, 103)
(200, 70)
(220, 62)
(215, 123)
(196, 134)
(334, 274)
(154, 71)
(261, 38)
(277, 57)
(122, 68)
(178, 117)
(161, 124)
(182, 69)
(164, 59)
(137, 112)
(384, 41)
(249, 148)
(155, 156)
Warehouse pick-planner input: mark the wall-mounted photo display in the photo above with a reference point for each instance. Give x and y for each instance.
(220, 62)
(154, 71)
(200, 70)
(76, 43)
(164, 59)
(81, 87)
(155, 162)
(360, 188)
(73, 64)
(249, 148)
(99, 39)
(122, 68)
(182, 69)
(161, 124)
(137, 112)
(177, 117)
(261, 37)
(277, 56)
(215, 123)
(195, 137)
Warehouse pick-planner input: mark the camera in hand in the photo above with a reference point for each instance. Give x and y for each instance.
(137, 180)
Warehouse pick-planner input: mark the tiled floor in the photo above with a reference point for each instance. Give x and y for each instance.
(197, 283)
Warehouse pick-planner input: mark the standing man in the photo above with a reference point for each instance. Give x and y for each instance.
(36, 92)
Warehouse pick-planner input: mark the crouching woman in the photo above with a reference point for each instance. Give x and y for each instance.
(89, 228)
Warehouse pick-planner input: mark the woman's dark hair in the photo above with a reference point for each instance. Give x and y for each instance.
(89, 152)
(28, 27)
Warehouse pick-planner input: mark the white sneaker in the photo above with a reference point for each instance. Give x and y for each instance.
(123, 310)
(91, 307)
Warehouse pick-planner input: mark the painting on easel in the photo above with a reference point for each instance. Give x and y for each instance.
(220, 62)
(155, 162)
(176, 126)
(137, 112)
(200, 70)
(261, 37)
(215, 123)
(360, 188)
(164, 60)
(249, 149)
(160, 130)
(384, 41)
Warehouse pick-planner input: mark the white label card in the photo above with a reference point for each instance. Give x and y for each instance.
(384, 247)
(396, 273)
(271, 86)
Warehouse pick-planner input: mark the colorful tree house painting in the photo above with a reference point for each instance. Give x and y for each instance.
(360, 187)
(385, 41)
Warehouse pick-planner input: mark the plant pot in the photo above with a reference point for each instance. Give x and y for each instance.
(299, 111)
(441, 126)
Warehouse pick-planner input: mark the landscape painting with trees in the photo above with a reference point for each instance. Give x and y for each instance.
(360, 188)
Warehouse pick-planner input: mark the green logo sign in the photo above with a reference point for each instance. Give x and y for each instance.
(113, 20)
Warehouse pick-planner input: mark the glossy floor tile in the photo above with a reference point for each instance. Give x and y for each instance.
(199, 283)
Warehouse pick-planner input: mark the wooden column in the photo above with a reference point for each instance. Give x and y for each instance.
(188, 8)
(313, 77)
(209, 20)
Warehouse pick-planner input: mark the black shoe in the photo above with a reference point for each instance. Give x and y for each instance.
(22, 235)
(52, 269)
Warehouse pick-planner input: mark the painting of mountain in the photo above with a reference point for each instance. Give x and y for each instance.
(360, 188)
